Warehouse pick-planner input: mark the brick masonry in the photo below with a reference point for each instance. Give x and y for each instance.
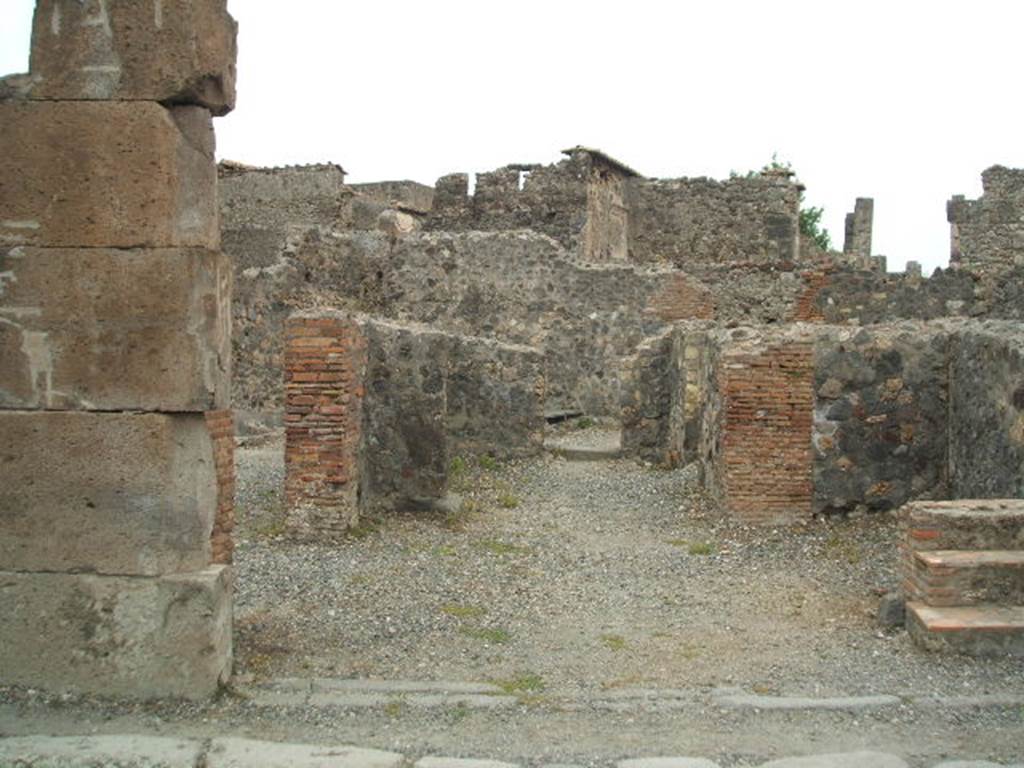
(682, 298)
(221, 426)
(325, 366)
(767, 403)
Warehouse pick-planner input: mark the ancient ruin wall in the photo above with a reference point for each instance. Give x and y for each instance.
(116, 473)
(880, 417)
(702, 221)
(988, 233)
(858, 226)
(986, 433)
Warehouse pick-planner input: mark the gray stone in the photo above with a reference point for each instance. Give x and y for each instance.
(840, 760)
(137, 493)
(401, 686)
(459, 762)
(973, 764)
(667, 762)
(840, 703)
(248, 753)
(115, 635)
(891, 610)
(364, 700)
(94, 751)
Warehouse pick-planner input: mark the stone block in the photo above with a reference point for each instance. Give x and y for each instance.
(120, 175)
(105, 329)
(115, 635)
(248, 753)
(113, 493)
(840, 760)
(86, 751)
(171, 51)
(975, 630)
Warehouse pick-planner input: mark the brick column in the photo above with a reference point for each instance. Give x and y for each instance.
(116, 467)
(325, 366)
(767, 409)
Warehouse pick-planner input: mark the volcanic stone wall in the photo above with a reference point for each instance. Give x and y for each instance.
(988, 233)
(987, 411)
(376, 411)
(116, 472)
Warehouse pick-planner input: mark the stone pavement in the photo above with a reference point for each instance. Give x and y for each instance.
(129, 751)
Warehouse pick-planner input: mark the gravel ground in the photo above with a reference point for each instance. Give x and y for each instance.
(584, 577)
(573, 585)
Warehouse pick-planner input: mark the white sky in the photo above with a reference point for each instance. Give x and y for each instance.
(906, 102)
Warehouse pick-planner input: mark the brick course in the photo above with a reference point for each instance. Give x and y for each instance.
(221, 426)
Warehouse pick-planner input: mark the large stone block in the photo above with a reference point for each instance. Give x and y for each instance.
(143, 637)
(112, 493)
(101, 329)
(171, 51)
(121, 175)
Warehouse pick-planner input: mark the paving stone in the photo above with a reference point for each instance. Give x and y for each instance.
(92, 751)
(847, 703)
(357, 700)
(152, 183)
(401, 686)
(432, 761)
(840, 760)
(667, 762)
(248, 753)
(112, 329)
(973, 764)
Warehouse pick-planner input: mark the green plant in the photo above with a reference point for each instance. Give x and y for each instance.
(463, 611)
(503, 548)
(508, 500)
(614, 642)
(701, 548)
(524, 683)
(458, 466)
(585, 422)
(488, 462)
(494, 635)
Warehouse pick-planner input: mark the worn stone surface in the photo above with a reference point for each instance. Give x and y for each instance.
(116, 493)
(880, 417)
(654, 395)
(977, 630)
(171, 51)
(840, 760)
(249, 753)
(152, 636)
(122, 751)
(857, 235)
(986, 443)
(432, 761)
(666, 762)
(149, 184)
(105, 329)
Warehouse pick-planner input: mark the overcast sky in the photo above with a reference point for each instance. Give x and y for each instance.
(906, 102)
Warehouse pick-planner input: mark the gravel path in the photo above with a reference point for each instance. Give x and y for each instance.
(573, 579)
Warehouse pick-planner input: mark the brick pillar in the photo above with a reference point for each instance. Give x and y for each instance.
(116, 466)
(325, 367)
(767, 409)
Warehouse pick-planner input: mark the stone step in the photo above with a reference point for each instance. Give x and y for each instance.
(972, 524)
(966, 577)
(588, 454)
(977, 630)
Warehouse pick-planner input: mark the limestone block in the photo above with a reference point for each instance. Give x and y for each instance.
(123, 751)
(248, 753)
(114, 493)
(171, 51)
(121, 175)
(143, 637)
(103, 329)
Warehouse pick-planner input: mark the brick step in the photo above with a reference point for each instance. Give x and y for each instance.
(977, 630)
(974, 524)
(965, 577)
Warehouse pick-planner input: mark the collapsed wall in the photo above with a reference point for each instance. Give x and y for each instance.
(988, 233)
(376, 411)
(116, 472)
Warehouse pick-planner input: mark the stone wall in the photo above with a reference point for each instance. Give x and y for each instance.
(987, 411)
(702, 221)
(377, 410)
(880, 417)
(988, 233)
(857, 231)
(116, 471)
